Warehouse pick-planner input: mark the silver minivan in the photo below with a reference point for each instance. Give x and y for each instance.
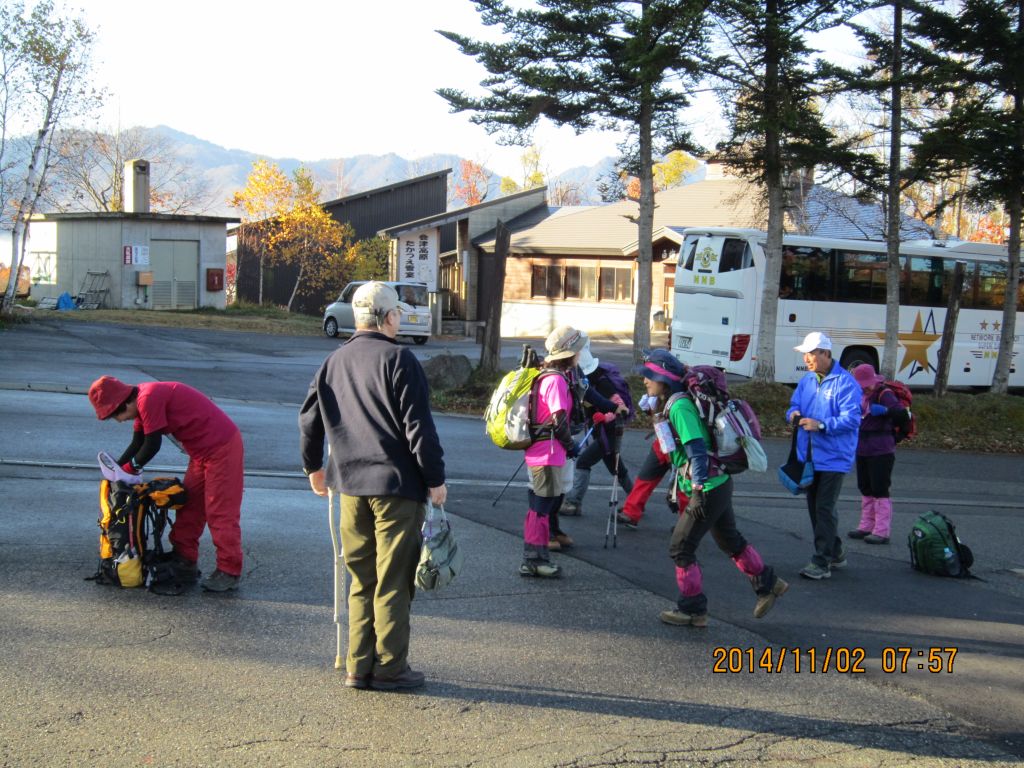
(338, 317)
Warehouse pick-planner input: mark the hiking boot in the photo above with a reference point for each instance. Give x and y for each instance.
(872, 539)
(540, 568)
(218, 581)
(838, 562)
(628, 522)
(361, 682)
(571, 509)
(814, 571)
(554, 546)
(677, 618)
(184, 570)
(564, 540)
(765, 602)
(169, 587)
(403, 680)
(857, 534)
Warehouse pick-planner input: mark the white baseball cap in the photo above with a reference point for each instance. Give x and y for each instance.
(814, 340)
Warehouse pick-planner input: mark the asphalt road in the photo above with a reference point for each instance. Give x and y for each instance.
(878, 603)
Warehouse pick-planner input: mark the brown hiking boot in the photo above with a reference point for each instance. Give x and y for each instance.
(677, 618)
(403, 680)
(765, 602)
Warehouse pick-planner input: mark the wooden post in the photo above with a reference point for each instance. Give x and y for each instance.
(949, 329)
(490, 350)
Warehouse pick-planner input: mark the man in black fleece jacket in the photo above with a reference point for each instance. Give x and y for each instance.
(371, 402)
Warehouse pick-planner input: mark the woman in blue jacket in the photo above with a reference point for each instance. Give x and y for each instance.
(826, 408)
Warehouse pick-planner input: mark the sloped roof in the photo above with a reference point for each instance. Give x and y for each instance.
(827, 213)
(611, 230)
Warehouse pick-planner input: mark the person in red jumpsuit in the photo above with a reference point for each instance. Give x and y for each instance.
(213, 480)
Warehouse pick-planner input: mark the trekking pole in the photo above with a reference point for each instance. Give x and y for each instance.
(340, 576)
(502, 491)
(613, 516)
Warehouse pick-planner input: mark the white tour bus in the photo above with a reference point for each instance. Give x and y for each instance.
(838, 286)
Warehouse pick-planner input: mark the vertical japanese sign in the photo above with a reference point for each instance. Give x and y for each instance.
(417, 257)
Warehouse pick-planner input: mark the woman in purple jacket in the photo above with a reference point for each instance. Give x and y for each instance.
(876, 455)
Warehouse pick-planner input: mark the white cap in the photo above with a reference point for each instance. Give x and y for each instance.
(814, 340)
(377, 298)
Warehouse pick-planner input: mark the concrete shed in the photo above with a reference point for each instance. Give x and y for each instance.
(129, 260)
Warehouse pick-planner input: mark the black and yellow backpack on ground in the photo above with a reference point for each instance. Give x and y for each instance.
(132, 521)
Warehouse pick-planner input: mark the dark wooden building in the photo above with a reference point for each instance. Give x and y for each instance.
(367, 213)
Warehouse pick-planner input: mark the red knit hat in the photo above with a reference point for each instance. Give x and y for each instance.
(107, 394)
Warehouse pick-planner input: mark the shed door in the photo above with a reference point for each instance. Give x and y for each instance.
(175, 265)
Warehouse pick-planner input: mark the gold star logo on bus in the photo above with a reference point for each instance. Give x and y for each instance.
(916, 343)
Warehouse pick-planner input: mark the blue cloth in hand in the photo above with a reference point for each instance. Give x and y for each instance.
(877, 409)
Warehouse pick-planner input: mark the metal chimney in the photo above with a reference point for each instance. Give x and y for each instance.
(136, 186)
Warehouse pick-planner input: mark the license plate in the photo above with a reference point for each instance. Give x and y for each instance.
(683, 342)
(412, 318)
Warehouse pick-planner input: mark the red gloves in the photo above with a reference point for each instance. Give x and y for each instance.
(604, 418)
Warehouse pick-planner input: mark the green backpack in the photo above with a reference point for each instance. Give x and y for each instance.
(935, 548)
(510, 416)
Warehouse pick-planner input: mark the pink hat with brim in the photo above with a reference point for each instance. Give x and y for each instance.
(866, 376)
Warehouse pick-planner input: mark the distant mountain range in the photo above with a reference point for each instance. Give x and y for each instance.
(226, 170)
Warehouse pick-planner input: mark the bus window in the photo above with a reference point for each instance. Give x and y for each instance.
(811, 274)
(736, 254)
(688, 253)
(861, 277)
(991, 287)
(930, 279)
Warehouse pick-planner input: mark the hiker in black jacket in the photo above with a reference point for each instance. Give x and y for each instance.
(605, 440)
(371, 402)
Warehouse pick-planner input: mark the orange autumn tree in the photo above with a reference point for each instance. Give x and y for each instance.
(264, 199)
(310, 239)
(471, 184)
(989, 230)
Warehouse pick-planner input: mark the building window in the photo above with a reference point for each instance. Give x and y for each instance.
(616, 284)
(546, 282)
(581, 283)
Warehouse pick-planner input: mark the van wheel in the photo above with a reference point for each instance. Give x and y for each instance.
(331, 327)
(855, 356)
(420, 340)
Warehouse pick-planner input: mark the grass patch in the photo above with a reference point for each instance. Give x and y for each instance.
(245, 317)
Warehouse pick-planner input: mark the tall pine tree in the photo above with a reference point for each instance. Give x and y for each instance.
(768, 85)
(977, 54)
(627, 66)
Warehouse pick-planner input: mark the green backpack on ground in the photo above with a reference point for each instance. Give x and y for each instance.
(935, 548)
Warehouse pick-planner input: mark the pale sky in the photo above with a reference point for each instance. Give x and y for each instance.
(316, 79)
(308, 79)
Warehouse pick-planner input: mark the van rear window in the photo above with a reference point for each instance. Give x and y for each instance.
(413, 294)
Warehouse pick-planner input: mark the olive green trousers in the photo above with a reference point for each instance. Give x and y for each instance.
(380, 536)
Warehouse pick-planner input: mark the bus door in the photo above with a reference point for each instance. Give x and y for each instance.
(715, 304)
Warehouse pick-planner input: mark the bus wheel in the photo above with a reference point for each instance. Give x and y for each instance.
(854, 356)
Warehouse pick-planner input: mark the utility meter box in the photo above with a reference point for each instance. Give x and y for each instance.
(143, 278)
(214, 280)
